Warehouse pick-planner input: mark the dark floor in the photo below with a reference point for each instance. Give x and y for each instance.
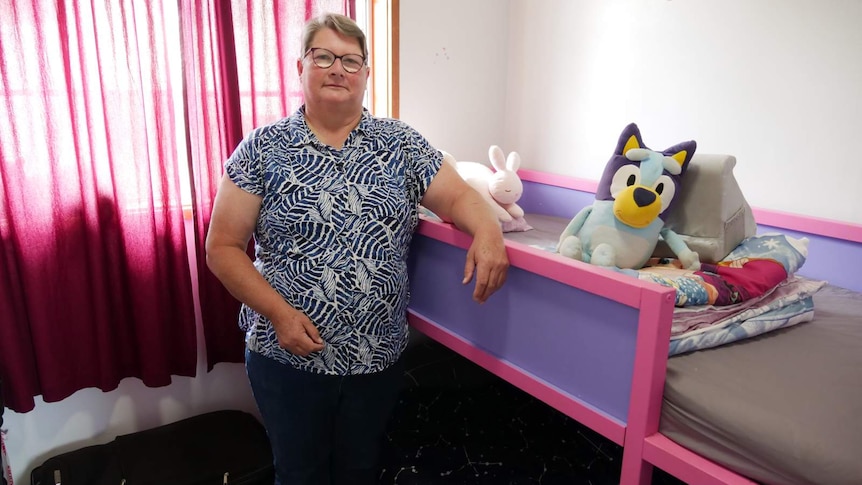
(458, 424)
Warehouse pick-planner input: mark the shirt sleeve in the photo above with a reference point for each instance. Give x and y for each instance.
(424, 161)
(244, 167)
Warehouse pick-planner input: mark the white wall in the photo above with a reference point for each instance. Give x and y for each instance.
(777, 83)
(453, 73)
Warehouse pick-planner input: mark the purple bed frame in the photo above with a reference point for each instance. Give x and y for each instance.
(591, 343)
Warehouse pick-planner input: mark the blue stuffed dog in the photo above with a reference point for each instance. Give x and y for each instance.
(635, 194)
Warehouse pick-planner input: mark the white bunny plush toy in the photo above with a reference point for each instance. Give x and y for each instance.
(502, 187)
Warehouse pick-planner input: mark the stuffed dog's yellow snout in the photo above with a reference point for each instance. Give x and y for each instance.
(637, 206)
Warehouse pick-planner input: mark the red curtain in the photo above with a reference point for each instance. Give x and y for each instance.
(115, 114)
(95, 284)
(239, 78)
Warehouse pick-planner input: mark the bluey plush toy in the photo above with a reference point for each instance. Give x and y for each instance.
(636, 192)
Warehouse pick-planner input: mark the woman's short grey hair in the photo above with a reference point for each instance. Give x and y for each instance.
(340, 23)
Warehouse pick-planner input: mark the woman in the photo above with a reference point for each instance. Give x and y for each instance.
(330, 195)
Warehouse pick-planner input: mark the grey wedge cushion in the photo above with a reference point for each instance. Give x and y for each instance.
(712, 216)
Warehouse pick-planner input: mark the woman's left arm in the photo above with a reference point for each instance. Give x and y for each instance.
(451, 198)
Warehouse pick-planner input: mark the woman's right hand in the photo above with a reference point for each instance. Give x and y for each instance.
(297, 334)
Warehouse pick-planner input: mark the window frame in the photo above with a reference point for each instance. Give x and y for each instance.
(383, 44)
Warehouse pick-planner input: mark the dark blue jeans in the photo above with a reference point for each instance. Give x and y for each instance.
(324, 430)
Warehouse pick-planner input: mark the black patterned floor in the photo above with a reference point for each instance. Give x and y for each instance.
(458, 424)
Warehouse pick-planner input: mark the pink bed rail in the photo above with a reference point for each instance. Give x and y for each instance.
(655, 312)
(655, 306)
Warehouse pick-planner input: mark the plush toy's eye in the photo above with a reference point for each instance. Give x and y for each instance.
(626, 176)
(666, 189)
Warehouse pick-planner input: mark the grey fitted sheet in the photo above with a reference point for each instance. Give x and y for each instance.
(544, 234)
(781, 408)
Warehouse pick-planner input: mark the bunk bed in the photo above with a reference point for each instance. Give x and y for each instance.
(594, 344)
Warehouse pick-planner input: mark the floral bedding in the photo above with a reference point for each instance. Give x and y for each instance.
(752, 291)
(755, 267)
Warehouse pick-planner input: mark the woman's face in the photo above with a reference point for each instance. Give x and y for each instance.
(333, 84)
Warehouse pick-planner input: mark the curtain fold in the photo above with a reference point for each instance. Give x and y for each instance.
(94, 274)
(215, 127)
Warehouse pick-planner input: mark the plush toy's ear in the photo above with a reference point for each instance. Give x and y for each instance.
(681, 153)
(629, 138)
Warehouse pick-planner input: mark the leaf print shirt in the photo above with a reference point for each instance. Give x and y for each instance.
(333, 235)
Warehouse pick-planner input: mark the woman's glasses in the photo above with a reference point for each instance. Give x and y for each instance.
(324, 58)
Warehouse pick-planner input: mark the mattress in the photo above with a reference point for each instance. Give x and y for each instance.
(782, 408)
(544, 232)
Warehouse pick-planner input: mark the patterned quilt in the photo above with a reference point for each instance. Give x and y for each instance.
(752, 291)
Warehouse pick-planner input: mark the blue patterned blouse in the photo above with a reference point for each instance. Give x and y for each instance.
(333, 235)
